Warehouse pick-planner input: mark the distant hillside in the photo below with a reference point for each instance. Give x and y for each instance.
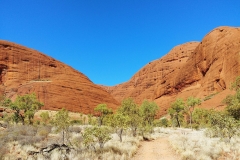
(23, 70)
(202, 69)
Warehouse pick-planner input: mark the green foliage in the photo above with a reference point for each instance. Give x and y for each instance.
(148, 111)
(29, 104)
(163, 122)
(62, 122)
(45, 117)
(209, 96)
(191, 103)
(236, 84)
(95, 135)
(24, 107)
(120, 122)
(222, 125)
(129, 108)
(201, 118)
(76, 121)
(176, 111)
(233, 105)
(103, 111)
(233, 101)
(91, 120)
(6, 102)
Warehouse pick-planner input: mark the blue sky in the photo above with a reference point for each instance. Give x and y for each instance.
(110, 40)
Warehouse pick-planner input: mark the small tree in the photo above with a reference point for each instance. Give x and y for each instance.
(191, 103)
(176, 110)
(62, 122)
(200, 117)
(120, 122)
(129, 108)
(95, 135)
(233, 101)
(162, 122)
(148, 111)
(24, 107)
(103, 111)
(45, 117)
(222, 125)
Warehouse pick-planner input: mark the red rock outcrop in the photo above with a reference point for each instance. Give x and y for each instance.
(23, 70)
(192, 69)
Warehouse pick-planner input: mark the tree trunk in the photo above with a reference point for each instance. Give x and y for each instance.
(134, 131)
(120, 134)
(22, 120)
(63, 136)
(178, 122)
(191, 119)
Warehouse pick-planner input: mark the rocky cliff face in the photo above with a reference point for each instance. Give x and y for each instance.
(23, 70)
(191, 69)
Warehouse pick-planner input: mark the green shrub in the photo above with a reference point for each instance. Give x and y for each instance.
(222, 125)
(210, 96)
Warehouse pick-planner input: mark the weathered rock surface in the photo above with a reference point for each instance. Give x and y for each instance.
(23, 70)
(191, 69)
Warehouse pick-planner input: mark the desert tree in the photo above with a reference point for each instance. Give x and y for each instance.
(103, 111)
(200, 117)
(190, 106)
(130, 108)
(120, 122)
(62, 122)
(29, 104)
(148, 112)
(45, 117)
(176, 111)
(233, 101)
(96, 134)
(222, 125)
(24, 107)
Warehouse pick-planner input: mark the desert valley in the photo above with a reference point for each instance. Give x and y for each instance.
(205, 71)
(196, 69)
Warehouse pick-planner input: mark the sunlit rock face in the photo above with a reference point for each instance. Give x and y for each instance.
(23, 71)
(192, 69)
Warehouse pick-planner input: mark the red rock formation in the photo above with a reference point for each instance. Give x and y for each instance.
(23, 70)
(191, 69)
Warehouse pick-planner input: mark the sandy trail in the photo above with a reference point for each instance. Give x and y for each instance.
(158, 149)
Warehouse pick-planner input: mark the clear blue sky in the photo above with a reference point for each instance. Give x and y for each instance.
(110, 40)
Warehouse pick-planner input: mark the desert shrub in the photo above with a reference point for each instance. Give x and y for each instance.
(176, 112)
(201, 118)
(3, 150)
(125, 149)
(23, 134)
(93, 135)
(62, 123)
(222, 126)
(3, 147)
(194, 145)
(163, 122)
(45, 117)
(44, 131)
(76, 121)
(75, 129)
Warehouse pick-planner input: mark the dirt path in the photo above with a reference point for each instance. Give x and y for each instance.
(156, 150)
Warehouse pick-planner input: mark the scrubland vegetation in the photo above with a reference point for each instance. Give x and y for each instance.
(194, 133)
